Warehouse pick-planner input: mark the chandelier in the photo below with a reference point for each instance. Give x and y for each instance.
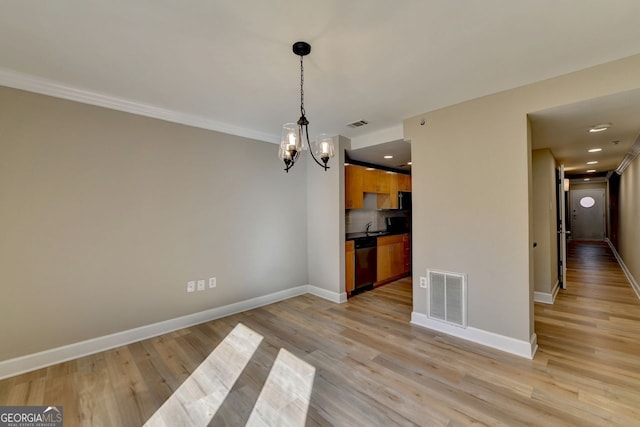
(291, 143)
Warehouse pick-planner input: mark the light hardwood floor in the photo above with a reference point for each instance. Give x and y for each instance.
(374, 368)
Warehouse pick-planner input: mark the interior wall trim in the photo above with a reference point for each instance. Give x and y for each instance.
(336, 297)
(31, 362)
(545, 297)
(630, 278)
(56, 89)
(500, 342)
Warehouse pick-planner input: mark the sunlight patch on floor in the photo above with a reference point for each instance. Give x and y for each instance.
(198, 399)
(284, 399)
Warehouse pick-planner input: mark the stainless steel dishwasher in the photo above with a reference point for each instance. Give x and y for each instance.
(366, 262)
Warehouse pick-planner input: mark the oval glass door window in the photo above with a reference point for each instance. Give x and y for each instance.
(587, 202)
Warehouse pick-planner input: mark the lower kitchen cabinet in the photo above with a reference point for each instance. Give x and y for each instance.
(391, 257)
(407, 253)
(350, 266)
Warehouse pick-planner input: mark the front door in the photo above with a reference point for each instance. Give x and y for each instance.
(587, 214)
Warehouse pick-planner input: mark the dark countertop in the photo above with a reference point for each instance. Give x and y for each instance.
(353, 236)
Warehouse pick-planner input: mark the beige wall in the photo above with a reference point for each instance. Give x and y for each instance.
(629, 209)
(105, 216)
(471, 172)
(326, 224)
(544, 221)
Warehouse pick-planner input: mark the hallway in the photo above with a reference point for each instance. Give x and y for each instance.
(590, 337)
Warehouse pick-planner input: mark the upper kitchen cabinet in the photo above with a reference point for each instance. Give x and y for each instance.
(354, 191)
(397, 182)
(386, 185)
(404, 182)
(375, 181)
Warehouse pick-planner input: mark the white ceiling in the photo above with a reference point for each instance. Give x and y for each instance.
(229, 63)
(565, 131)
(400, 150)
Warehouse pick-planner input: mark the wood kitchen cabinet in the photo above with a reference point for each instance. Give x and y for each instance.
(397, 182)
(404, 182)
(350, 266)
(353, 185)
(406, 253)
(359, 180)
(375, 181)
(390, 257)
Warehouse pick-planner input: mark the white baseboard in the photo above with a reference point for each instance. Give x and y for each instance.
(30, 362)
(479, 336)
(336, 297)
(547, 298)
(632, 280)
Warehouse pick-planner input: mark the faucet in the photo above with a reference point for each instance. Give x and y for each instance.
(368, 226)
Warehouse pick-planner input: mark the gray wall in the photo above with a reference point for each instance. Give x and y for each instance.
(105, 216)
(325, 228)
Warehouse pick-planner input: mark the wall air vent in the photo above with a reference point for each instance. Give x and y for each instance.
(358, 124)
(447, 297)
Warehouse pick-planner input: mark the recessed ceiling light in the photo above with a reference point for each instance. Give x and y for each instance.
(599, 128)
(595, 150)
(587, 179)
(388, 157)
(409, 163)
(591, 170)
(593, 162)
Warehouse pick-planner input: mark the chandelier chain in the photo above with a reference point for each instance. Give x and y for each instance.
(302, 111)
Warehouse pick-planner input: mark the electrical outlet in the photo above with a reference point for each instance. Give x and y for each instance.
(423, 282)
(201, 285)
(212, 282)
(191, 286)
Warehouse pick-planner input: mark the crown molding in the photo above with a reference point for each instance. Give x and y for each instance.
(44, 86)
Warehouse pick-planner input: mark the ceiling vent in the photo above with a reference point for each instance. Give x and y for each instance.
(358, 124)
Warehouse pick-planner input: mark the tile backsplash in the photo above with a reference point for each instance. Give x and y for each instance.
(356, 220)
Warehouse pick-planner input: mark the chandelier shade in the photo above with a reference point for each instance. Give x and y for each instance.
(290, 144)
